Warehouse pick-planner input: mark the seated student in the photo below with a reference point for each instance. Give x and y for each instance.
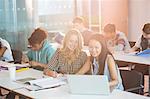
(5, 51)
(144, 40)
(68, 59)
(40, 49)
(116, 41)
(142, 43)
(5, 55)
(101, 62)
(80, 24)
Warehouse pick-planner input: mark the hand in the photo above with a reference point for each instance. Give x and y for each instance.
(50, 73)
(25, 59)
(111, 50)
(127, 51)
(130, 51)
(34, 63)
(60, 75)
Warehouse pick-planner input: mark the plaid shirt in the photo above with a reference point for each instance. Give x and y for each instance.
(59, 64)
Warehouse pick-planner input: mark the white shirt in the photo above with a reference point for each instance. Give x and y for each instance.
(7, 56)
(119, 47)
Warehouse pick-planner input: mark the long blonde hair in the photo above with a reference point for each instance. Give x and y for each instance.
(70, 58)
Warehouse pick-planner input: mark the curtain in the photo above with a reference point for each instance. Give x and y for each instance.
(18, 18)
(16, 22)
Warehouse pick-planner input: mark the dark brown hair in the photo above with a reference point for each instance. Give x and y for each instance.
(146, 28)
(104, 52)
(109, 28)
(37, 36)
(0, 44)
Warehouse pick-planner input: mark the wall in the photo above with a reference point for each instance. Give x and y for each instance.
(116, 12)
(139, 14)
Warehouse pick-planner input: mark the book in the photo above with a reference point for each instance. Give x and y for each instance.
(24, 80)
(19, 67)
(42, 83)
(144, 53)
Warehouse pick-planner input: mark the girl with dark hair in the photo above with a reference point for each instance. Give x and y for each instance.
(101, 62)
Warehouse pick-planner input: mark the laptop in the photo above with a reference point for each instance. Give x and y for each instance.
(88, 84)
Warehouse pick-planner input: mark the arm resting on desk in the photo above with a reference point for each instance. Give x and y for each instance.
(113, 72)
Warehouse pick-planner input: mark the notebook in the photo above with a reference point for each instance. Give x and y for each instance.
(145, 53)
(88, 84)
(42, 83)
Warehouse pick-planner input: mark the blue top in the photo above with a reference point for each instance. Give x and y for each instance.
(107, 73)
(43, 55)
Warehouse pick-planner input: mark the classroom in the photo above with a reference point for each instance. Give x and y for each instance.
(74, 49)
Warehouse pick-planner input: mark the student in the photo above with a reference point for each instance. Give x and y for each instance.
(116, 41)
(5, 55)
(80, 24)
(101, 62)
(68, 59)
(5, 51)
(144, 40)
(40, 49)
(142, 43)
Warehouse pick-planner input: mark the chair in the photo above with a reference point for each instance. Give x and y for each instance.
(17, 55)
(125, 64)
(132, 81)
(132, 43)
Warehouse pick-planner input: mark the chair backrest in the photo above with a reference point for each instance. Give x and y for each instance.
(132, 43)
(132, 81)
(17, 55)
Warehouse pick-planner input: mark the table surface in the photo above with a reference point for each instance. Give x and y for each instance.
(61, 92)
(120, 56)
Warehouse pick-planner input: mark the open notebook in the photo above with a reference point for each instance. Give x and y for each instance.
(42, 83)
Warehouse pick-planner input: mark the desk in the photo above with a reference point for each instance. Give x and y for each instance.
(120, 56)
(6, 83)
(61, 92)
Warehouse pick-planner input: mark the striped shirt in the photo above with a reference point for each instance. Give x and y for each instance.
(59, 64)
